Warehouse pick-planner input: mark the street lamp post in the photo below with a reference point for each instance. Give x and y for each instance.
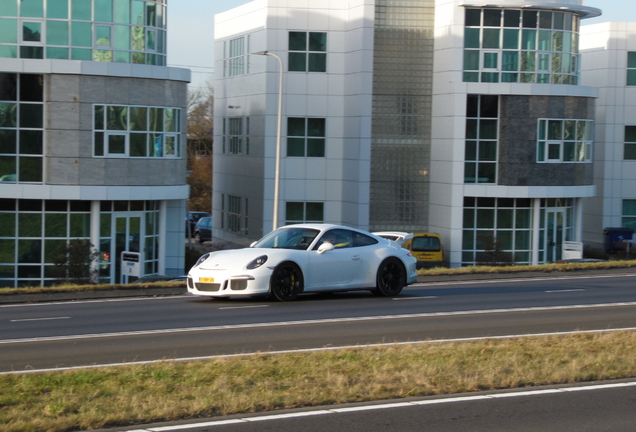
(278, 136)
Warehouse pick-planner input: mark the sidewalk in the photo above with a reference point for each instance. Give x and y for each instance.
(161, 291)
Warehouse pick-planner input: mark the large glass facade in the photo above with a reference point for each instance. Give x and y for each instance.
(21, 128)
(525, 46)
(497, 231)
(501, 230)
(33, 233)
(124, 31)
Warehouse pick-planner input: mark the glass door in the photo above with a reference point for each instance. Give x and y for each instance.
(555, 234)
(127, 235)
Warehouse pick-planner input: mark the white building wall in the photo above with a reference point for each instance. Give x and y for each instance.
(605, 48)
(342, 96)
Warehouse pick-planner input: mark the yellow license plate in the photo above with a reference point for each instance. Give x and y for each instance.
(206, 280)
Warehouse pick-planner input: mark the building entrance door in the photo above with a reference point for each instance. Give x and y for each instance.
(127, 234)
(555, 234)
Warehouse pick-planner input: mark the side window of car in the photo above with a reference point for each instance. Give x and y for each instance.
(360, 239)
(340, 238)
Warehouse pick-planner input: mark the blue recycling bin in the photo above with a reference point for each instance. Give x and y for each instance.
(614, 238)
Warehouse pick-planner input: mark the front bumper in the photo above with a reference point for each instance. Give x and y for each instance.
(221, 284)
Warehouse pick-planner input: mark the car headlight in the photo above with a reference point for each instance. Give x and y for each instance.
(256, 263)
(200, 261)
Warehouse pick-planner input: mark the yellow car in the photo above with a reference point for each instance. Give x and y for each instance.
(427, 248)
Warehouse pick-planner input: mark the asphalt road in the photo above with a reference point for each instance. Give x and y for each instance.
(587, 408)
(94, 332)
(67, 334)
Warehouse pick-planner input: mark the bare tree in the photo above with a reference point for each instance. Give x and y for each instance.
(200, 139)
(200, 121)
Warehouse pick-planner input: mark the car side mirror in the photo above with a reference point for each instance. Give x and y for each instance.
(325, 247)
(252, 245)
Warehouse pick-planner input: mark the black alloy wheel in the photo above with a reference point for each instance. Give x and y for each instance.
(286, 282)
(391, 278)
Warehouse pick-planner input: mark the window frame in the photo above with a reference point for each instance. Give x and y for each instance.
(304, 218)
(151, 150)
(307, 138)
(308, 52)
(629, 144)
(545, 142)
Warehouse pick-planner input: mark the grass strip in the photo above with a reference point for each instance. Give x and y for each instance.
(553, 267)
(117, 396)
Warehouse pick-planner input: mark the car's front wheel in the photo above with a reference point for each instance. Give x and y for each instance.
(391, 278)
(286, 282)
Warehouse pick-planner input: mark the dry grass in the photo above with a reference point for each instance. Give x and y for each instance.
(95, 398)
(83, 288)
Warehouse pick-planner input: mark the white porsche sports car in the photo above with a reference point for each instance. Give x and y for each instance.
(305, 258)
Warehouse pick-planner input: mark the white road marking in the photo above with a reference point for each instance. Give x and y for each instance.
(382, 406)
(564, 291)
(243, 307)
(314, 321)
(40, 319)
(307, 350)
(414, 298)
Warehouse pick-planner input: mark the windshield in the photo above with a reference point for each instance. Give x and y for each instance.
(288, 238)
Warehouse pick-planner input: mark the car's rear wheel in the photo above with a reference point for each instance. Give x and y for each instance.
(391, 278)
(286, 282)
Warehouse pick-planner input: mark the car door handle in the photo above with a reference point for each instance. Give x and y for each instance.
(355, 257)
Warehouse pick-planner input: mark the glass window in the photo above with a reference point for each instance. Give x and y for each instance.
(122, 11)
(517, 33)
(31, 31)
(481, 139)
(305, 137)
(57, 33)
(9, 8)
(81, 34)
(473, 17)
(136, 131)
(630, 143)
(81, 10)
(304, 212)
(57, 9)
(8, 30)
(629, 214)
(32, 8)
(104, 10)
(307, 51)
(565, 140)
(631, 68)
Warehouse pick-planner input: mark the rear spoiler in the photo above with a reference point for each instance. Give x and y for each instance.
(396, 237)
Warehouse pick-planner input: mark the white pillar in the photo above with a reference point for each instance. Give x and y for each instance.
(536, 230)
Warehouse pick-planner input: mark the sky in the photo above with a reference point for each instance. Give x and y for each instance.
(191, 30)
